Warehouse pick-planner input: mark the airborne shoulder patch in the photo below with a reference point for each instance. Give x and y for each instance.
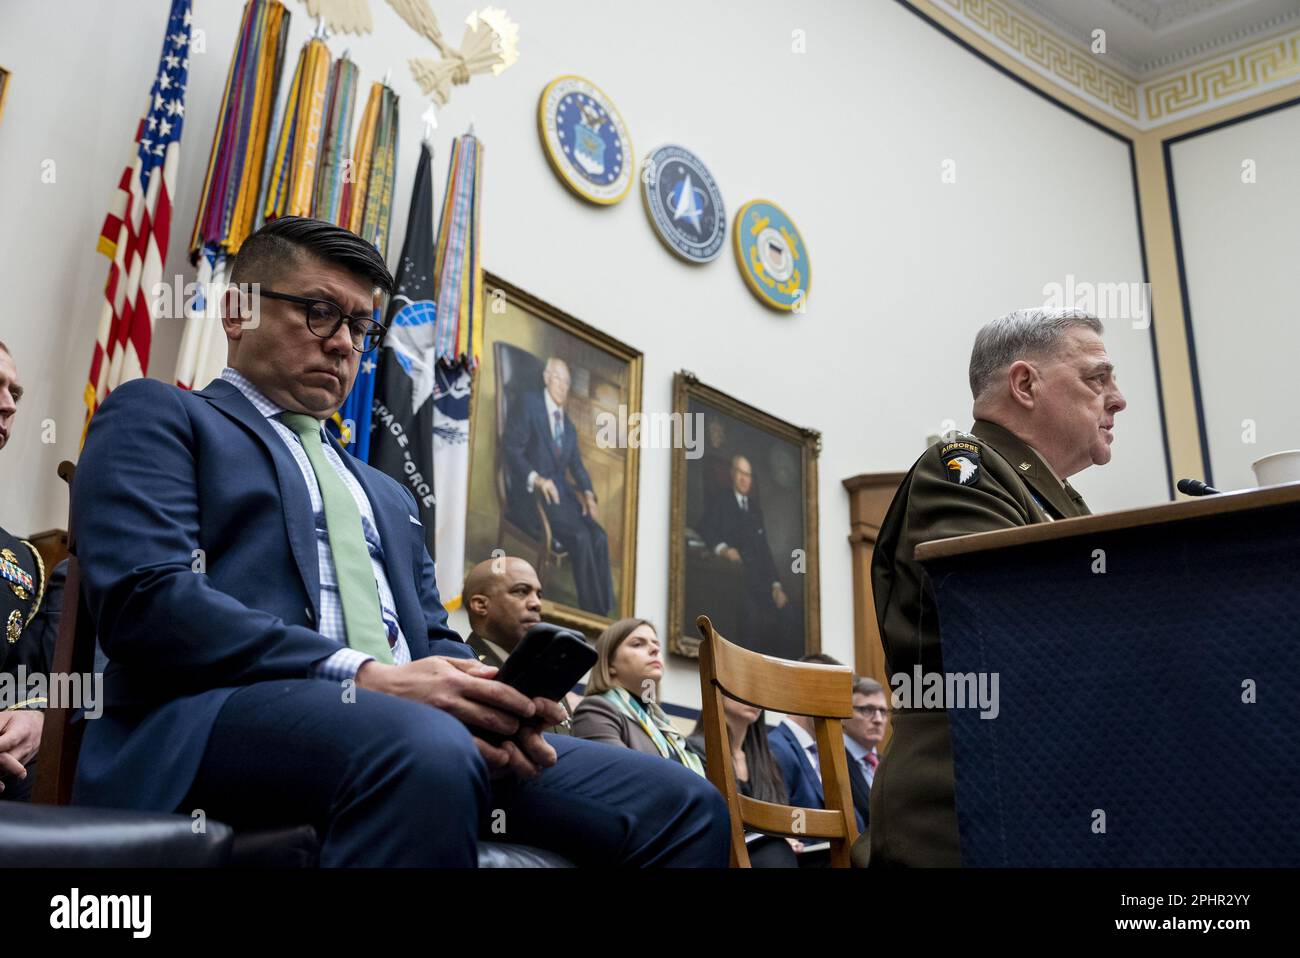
(961, 461)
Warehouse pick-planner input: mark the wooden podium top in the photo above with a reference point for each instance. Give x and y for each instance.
(1213, 505)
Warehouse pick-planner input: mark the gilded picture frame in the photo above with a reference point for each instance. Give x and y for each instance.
(5, 77)
(525, 339)
(743, 456)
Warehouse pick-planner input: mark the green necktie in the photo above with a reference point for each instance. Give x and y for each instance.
(356, 576)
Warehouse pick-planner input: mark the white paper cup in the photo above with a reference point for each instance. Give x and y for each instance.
(1278, 468)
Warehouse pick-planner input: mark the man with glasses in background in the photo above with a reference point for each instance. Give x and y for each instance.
(278, 652)
(862, 736)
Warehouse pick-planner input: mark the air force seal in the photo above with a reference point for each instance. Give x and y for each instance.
(961, 461)
(684, 204)
(585, 140)
(772, 256)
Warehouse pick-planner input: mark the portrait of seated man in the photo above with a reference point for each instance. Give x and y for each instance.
(541, 449)
(733, 529)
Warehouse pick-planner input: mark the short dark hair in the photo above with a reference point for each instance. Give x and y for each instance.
(274, 248)
(5, 348)
(820, 658)
(867, 686)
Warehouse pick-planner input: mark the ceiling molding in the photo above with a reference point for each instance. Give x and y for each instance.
(1220, 74)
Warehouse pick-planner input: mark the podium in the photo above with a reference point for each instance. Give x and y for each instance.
(1147, 667)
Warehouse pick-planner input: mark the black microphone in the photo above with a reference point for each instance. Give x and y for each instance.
(1194, 487)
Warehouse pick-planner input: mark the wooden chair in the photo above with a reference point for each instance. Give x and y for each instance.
(824, 692)
(74, 654)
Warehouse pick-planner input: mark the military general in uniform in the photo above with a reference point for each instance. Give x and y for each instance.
(1045, 400)
(23, 653)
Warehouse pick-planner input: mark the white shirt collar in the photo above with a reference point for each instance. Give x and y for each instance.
(805, 740)
(266, 407)
(741, 500)
(551, 410)
(856, 750)
(254, 395)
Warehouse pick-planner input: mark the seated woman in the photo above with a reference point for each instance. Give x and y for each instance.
(621, 706)
(757, 776)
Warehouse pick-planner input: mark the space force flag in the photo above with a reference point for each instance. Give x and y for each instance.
(401, 443)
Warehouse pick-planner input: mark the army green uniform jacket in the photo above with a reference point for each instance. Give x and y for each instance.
(488, 656)
(970, 483)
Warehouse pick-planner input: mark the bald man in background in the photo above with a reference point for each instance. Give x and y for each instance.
(503, 599)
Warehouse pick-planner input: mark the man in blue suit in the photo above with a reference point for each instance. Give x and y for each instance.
(794, 748)
(541, 449)
(278, 651)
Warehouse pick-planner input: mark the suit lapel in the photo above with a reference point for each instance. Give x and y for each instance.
(1030, 467)
(299, 524)
(814, 780)
(484, 651)
(548, 443)
(858, 782)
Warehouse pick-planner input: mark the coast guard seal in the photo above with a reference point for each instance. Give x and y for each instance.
(585, 140)
(684, 204)
(772, 256)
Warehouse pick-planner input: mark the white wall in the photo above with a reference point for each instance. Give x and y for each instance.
(1240, 253)
(849, 137)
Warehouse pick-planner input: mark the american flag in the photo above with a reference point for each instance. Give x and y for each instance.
(138, 224)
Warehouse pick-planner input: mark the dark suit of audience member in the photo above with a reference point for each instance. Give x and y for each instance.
(861, 793)
(540, 444)
(264, 687)
(802, 778)
(734, 521)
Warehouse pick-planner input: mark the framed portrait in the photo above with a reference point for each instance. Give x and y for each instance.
(4, 88)
(743, 528)
(549, 480)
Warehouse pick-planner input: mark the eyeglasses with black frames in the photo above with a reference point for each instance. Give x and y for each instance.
(324, 319)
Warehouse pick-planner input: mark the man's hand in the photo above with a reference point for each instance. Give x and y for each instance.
(550, 492)
(589, 506)
(732, 553)
(460, 687)
(467, 689)
(20, 738)
(778, 595)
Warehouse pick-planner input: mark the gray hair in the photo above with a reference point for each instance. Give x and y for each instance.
(867, 686)
(1022, 333)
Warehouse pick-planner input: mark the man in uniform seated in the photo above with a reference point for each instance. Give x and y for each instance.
(503, 599)
(277, 650)
(22, 594)
(1045, 404)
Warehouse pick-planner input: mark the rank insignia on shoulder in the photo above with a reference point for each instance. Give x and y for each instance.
(961, 462)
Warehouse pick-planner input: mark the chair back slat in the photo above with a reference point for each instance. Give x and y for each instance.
(823, 692)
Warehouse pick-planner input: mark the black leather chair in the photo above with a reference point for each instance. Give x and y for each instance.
(45, 836)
